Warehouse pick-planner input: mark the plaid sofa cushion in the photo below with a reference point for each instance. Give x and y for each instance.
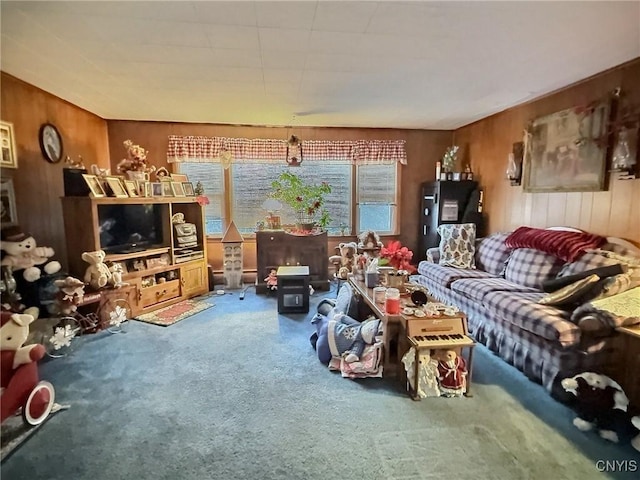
(477, 288)
(492, 253)
(443, 275)
(531, 268)
(589, 261)
(523, 310)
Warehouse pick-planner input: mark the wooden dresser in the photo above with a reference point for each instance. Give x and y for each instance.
(276, 248)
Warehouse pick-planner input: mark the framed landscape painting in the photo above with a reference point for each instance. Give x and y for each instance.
(566, 151)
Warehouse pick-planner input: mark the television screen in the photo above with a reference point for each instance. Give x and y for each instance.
(129, 228)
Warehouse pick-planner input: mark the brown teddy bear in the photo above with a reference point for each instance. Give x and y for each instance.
(452, 373)
(346, 260)
(69, 296)
(97, 274)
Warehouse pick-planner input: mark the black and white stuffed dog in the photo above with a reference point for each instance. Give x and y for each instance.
(600, 403)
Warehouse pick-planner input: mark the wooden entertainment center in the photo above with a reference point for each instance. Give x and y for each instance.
(158, 275)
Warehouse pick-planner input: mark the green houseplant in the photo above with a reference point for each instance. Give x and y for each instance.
(305, 199)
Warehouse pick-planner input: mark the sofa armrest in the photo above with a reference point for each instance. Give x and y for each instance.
(433, 254)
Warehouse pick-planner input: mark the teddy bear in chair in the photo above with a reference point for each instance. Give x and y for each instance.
(19, 372)
(27, 262)
(601, 403)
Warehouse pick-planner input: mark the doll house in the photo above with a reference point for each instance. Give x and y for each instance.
(232, 257)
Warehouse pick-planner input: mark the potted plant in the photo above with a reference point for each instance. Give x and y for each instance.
(307, 200)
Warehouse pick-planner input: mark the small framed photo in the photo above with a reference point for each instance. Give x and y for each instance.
(8, 141)
(179, 177)
(167, 191)
(9, 213)
(117, 188)
(188, 189)
(178, 189)
(144, 188)
(156, 189)
(132, 188)
(95, 185)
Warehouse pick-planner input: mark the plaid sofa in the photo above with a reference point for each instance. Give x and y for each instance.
(500, 297)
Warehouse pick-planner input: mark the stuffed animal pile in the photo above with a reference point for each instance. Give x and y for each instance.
(602, 404)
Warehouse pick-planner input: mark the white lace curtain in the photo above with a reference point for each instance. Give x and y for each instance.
(212, 149)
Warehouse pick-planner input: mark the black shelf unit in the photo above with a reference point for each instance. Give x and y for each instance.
(446, 201)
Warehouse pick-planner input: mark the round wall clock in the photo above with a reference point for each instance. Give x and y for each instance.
(50, 143)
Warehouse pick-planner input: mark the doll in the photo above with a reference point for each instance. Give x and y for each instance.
(272, 280)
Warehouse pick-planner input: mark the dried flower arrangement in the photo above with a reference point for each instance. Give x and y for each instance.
(136, 160)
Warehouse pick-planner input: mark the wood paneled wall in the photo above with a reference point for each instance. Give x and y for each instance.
(424, 149)
(486, 144)
(37, 183)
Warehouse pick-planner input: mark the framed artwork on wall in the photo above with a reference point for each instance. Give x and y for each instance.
(9, 213)
(566, 151)
(9, 153)
(50, 143)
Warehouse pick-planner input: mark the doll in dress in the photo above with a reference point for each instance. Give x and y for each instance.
(452, 373)
(272, 280)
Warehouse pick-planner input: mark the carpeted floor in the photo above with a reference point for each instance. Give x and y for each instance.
(236, 392)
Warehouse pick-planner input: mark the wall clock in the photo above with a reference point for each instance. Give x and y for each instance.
(50, 143)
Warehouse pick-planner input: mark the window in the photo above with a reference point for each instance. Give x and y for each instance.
(212, 179)
(377, 198)
(250, 184)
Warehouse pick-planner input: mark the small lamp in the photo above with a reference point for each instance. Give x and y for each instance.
(623, 158)
(514, 164)
(294, 151)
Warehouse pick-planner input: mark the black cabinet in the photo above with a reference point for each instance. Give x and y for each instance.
(276, 248)
(448, 202)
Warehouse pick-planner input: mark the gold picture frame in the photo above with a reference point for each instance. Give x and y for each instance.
(9, 157)
(132, 188)
(167, 191)
(117, 188)
(179, 177)
(189, 191)
(95, 186)
(178, 189)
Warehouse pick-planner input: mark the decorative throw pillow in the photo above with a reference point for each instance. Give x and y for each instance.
(531, 268)
(492, 253)
(457, 245)
(571, 294)
(567, 246)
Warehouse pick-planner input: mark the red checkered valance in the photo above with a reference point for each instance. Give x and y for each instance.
(209, 149)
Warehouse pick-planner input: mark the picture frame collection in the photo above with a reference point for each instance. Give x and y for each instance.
(174, 186)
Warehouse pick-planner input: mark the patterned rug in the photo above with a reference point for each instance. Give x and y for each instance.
(174, 313)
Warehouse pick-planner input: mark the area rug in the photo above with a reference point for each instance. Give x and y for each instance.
(174, 313)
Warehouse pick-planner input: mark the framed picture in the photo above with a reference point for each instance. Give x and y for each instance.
(94, 185)
(179, 177)
(144, 188)
(166, 189)
(188, 189)
(156, 189)
(9, 213)
(132, 188)
(566, 151)
(50, 143)
(117, 188)
(178, 189)
(9, 152)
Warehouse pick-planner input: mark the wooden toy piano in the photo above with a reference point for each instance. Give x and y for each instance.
(442, 332)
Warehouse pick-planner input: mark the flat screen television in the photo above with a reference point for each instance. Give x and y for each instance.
(129, 228)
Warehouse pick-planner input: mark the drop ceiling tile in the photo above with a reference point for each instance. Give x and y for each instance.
(275, 75)
(280, 59)
(336, 42)
(343, 16)
(235, 58)
(297, 15)
(281, 39)
(226, 13)
(232, 36)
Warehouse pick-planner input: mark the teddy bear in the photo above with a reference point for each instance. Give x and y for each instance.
(369, 240)
(18, 370)
(600, 403)
(346, 259)
(452, 373)
(338, 335)
(97, 274)
(70, 295)
(21, 253)
(116, 274)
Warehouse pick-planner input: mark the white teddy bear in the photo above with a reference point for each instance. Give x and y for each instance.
(21, 253)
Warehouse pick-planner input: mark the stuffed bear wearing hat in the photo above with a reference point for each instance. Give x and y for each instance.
(97, 274)
(69, 296)
(600, 403)
(21, 253)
